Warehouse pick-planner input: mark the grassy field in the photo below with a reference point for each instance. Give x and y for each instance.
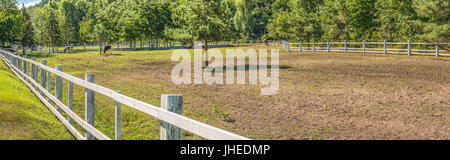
(321, 96)
(22, 116)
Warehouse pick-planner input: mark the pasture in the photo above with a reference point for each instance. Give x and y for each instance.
(321, 95)
(22, 116)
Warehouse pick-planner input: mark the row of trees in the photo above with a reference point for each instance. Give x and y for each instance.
(374, 20)
(62, 22)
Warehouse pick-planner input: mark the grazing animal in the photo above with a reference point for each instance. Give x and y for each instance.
(107, 48)
(68, 48)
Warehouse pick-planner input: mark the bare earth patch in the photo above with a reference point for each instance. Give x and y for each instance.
(321, 96)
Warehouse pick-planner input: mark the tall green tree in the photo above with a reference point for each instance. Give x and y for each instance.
(9, 21)
(334, 19)
(26, 33)
(295, 20)
(433, 23)
(52, 34)
(362, 19)
(205, 20)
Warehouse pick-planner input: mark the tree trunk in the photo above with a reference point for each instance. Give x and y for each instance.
(206, 53)
(100, 45)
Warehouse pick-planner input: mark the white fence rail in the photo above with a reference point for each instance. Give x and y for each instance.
(408, 48)
(169, 112)
(152, 45)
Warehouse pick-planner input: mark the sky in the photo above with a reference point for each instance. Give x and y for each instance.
(27, 2)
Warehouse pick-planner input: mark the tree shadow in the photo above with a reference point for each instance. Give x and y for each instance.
(40, 55)
(246, 67)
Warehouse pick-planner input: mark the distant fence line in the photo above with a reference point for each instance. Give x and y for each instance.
(37, 77)
(408, 48)
(152, 45)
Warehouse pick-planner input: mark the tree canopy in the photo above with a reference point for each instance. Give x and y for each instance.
(63, 22)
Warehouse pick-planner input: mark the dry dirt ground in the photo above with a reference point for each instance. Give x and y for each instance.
(321, 96)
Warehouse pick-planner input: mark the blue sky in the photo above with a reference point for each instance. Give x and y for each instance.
(27, 2)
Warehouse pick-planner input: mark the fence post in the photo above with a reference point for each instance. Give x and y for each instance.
(328, 46)
(20, 63)
(314, 46)
(364, 46)
(58, 87)
(70, 99)
(300, 46)
(43, 76)
(32, 69)
(36, 70)
(24, 65)
(288, 46)
(89, 105)
(49, 83)
(118, 120)
(384, 43)
(172, 103)
(409, 47)
(437, 49)
(345, 46)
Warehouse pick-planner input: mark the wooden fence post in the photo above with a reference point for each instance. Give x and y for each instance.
(33, 69)
(314, 46)
(437, 50)
(172, 103)
(25, 65)
(20, 63)
(300, 46)
(288, 45)
(43, 76)
(70, 99)
(58, 87)
(49, 84)
(409, 47)
(345, 46)
(364, 46)
(384, 44)
(89, 105)
(118, 118)
(328, 46)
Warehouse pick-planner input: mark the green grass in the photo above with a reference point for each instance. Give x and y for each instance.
(22, 115)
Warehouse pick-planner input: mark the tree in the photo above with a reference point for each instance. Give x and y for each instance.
(8, 21)
(362, 19)
(433, 23)
(393, 20)
(52, 34)
(154, 18)
(26, 33)
(334, 18)
(295, 20)
(205, 20)
(86, 30)
(242, 19)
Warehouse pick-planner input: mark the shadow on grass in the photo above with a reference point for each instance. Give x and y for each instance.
(246, 67)
(40, 55)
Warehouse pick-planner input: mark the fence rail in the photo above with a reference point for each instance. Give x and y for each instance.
(169, 112)
(408, 48)
(152, 45)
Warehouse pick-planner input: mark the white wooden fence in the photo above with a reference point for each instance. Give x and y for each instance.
(408, 48)
(152, 45)
(169, 113)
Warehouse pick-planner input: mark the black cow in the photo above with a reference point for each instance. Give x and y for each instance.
(107, 48)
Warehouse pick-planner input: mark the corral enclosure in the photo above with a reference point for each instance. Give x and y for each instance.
(321, 96)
